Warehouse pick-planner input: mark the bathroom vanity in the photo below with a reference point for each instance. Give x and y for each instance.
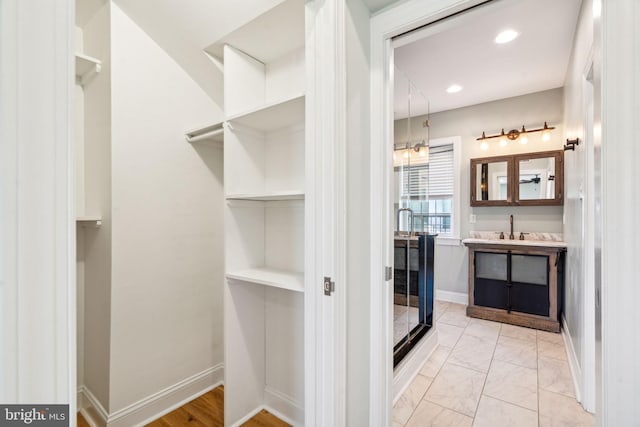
(517, 281)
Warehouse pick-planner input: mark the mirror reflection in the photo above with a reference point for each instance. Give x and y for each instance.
(536, 178)
(491, 181)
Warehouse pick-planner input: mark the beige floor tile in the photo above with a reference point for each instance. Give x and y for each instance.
(554, 375)
(473, 352)
(399, 310)
(440, 307)
(410, 399)
(457, 388)
(553, 337)
(552, 350)
(397, 424)
(429, 414)
(512, 383)
(435, 361)
(483, 329)
(448, 335)
(496, 413)
(516, 351)
(455, 318)
(513, 331)
(562, 411)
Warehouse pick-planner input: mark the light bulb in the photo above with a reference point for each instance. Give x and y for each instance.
(524, 139)
(406, 155)
(546, 136)
(503, 142)
(484, 146)
(394, 156)
(422, 152)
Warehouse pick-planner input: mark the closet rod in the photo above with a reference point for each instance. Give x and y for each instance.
(203, 136)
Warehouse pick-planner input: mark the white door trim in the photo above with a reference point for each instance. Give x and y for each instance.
(620, 200)
(37, 287)
(384, 26)
(325, 199)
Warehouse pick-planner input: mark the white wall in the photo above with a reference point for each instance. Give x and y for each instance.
(166, 322)
(96, 243)
(451, 269)
(576, 177)
(358, 283)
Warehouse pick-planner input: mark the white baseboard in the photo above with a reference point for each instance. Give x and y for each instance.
(152, 407)
(574, 365)
(91, 408)
(449, 296)
(283, 407)
(411, 365)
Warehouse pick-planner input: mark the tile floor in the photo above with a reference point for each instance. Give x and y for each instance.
(491, 374)
(404, 319)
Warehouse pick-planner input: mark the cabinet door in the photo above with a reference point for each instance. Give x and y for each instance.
(529, 291)
(490, 280)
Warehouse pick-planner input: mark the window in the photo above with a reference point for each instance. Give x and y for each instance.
(431, 189)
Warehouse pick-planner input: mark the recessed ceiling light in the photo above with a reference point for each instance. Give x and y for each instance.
(506, 36)
(454, 89)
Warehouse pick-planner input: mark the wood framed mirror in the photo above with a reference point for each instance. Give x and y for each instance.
(539, 178)
(530, 179)
(491, 181)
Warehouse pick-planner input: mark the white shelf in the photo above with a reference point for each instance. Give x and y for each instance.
(86, 66)
(282, 279)
(275, 196)
(269, 36)
(213, 134)
(273, 116)
(93, 221)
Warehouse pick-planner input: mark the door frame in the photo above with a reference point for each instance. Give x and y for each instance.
(383, 27)
(37, 217)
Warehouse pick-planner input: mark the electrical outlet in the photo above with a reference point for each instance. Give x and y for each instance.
(472, 219)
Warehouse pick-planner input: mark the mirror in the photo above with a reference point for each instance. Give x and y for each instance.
(522, 179)
(536, 179)
(490, 181)
(539, 178)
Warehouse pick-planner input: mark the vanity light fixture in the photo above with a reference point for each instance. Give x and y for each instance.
(514, 134)
(506, 36)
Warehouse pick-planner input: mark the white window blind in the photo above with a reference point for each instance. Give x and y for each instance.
(441, 171)
(431, 179)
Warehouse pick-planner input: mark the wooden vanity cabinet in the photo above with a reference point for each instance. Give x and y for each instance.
(521, 285)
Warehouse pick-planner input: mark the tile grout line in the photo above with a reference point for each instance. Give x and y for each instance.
(475, 414)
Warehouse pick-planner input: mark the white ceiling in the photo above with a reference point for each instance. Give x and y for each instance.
(462, 51)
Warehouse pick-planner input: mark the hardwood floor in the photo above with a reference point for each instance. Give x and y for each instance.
(82, 422)
(205, 411)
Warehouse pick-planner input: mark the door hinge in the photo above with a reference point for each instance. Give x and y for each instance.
(388, 273)
(329, 285)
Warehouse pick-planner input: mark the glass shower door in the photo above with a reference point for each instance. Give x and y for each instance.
(413, 247)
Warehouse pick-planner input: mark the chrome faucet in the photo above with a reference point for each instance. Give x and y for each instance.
(511, 227)
(410, 219)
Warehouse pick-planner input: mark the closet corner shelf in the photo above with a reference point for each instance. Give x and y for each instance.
(213, 134)
(86, 66)
(282, 279)
(89, 221)
(266, 38)
(272, 116)
(267, 197)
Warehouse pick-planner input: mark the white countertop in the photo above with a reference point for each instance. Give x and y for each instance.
(516, 242)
